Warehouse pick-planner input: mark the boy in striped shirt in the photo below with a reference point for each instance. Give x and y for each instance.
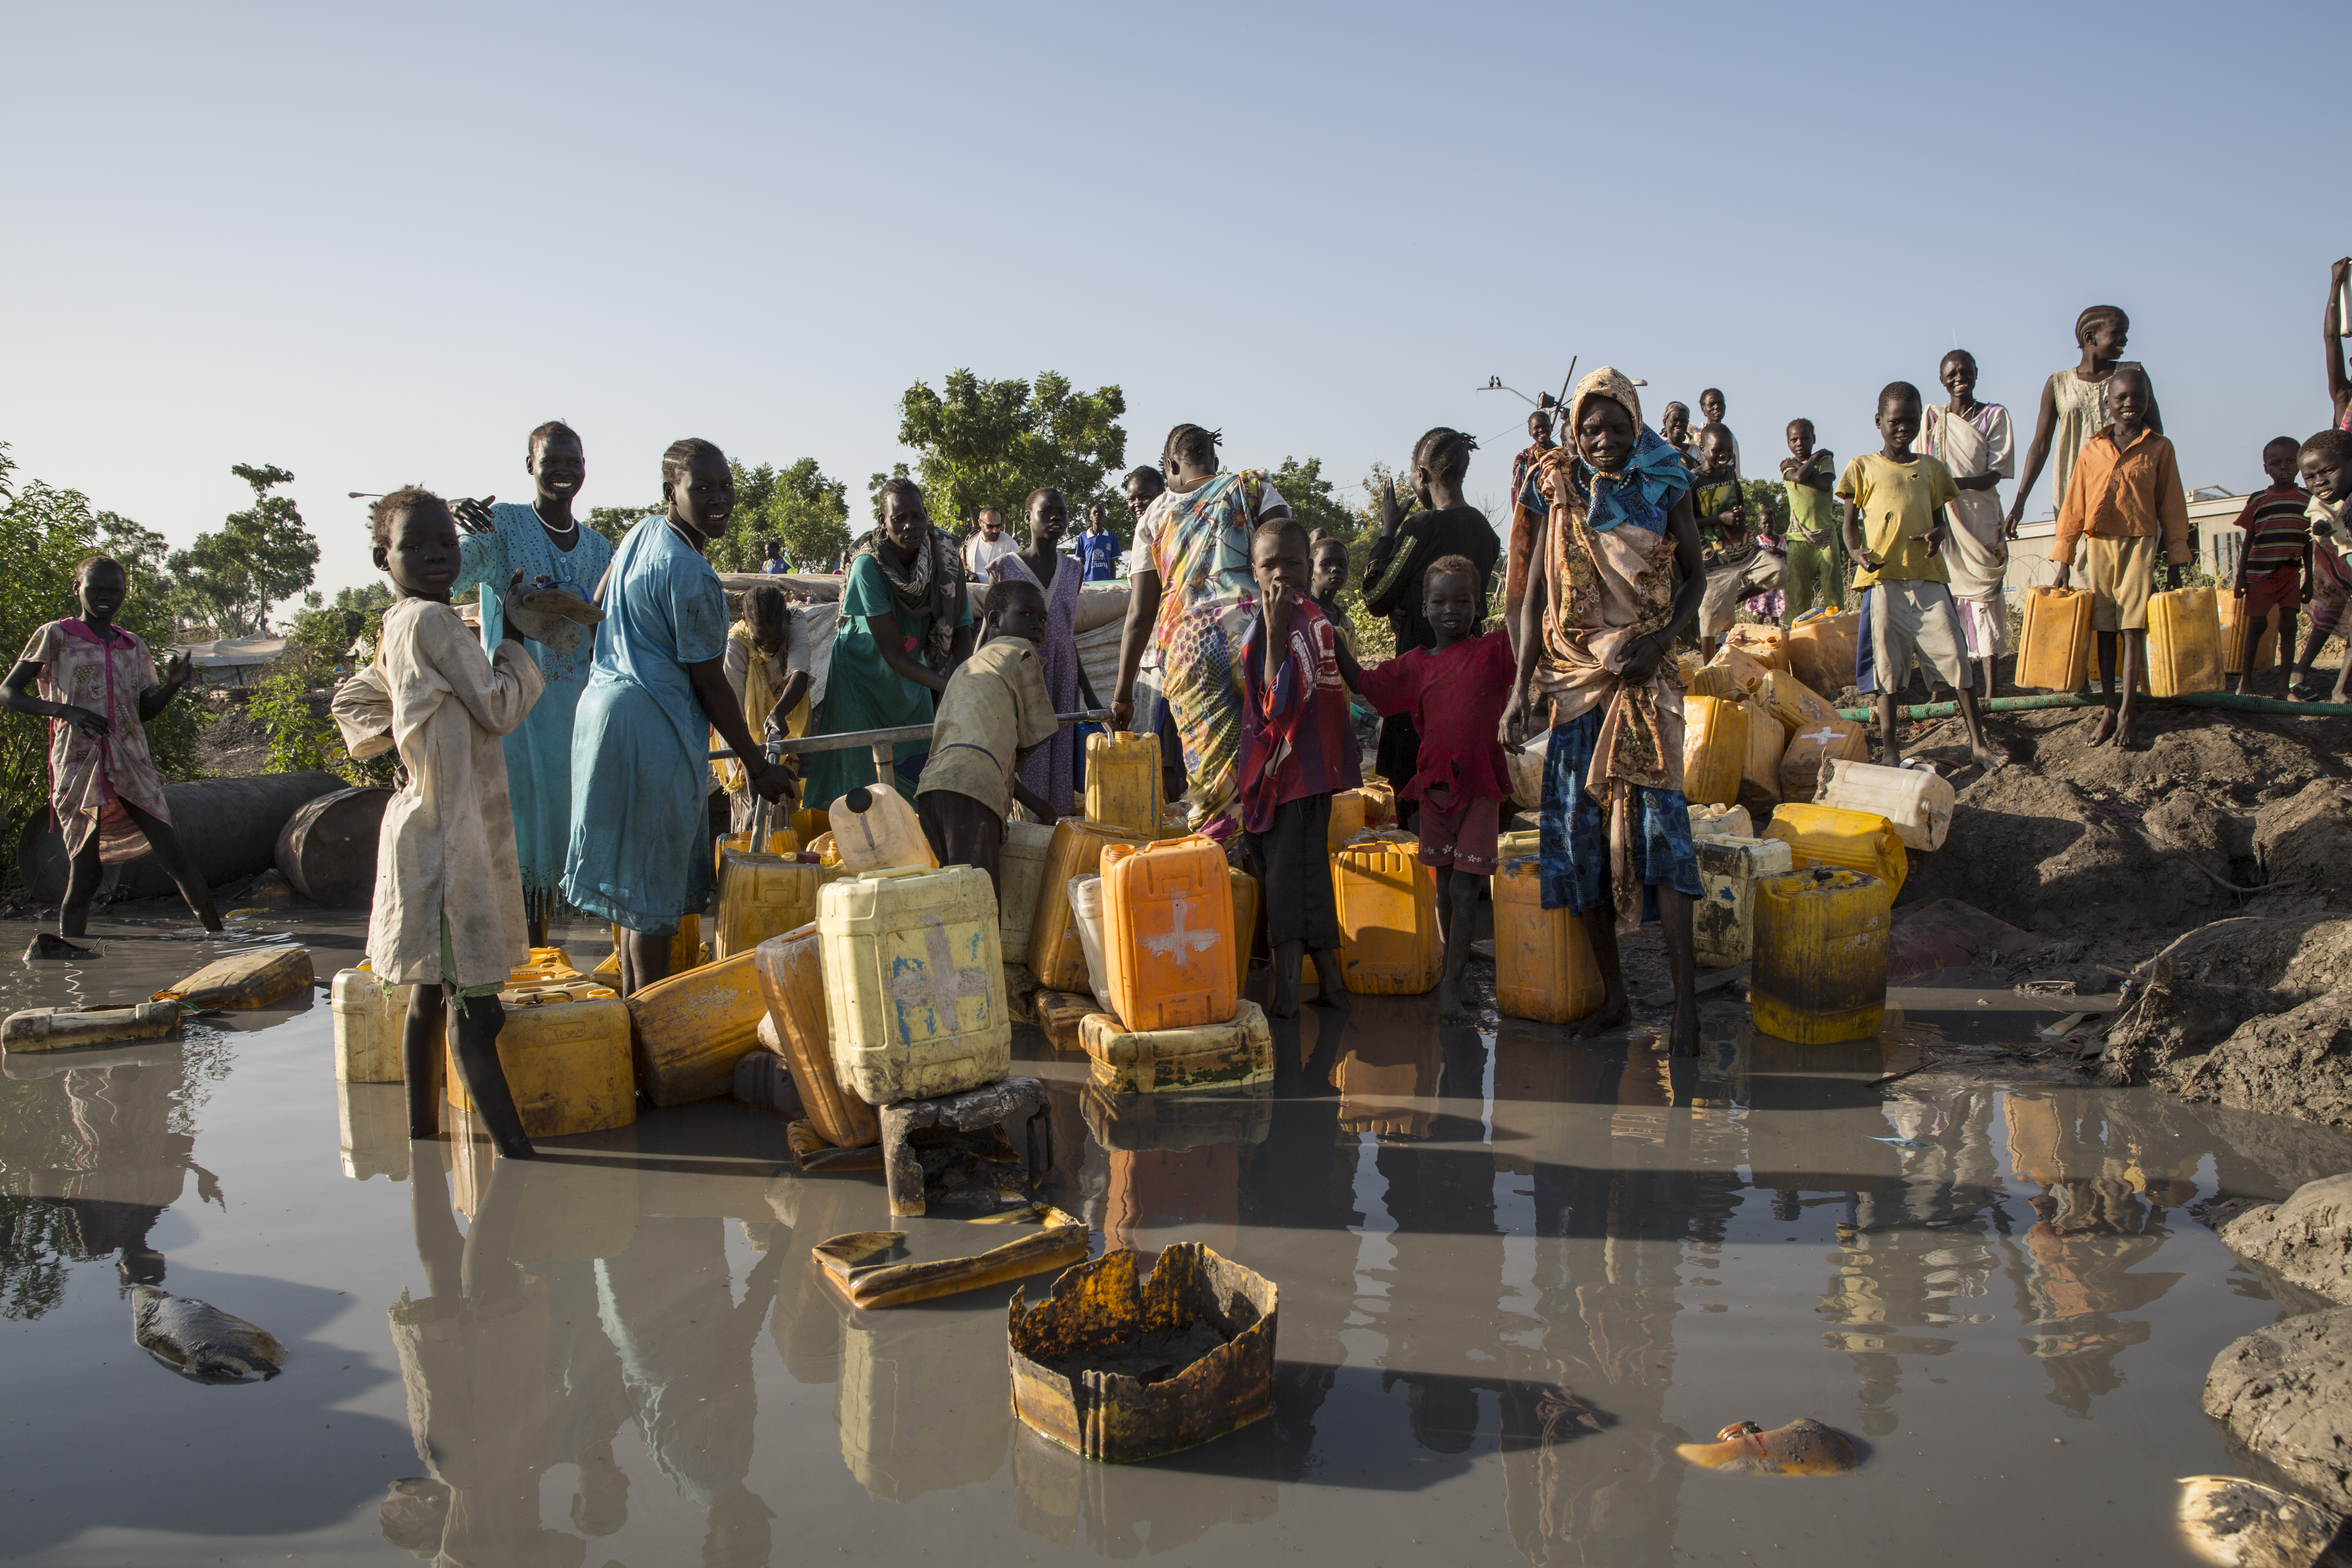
(2275, 565)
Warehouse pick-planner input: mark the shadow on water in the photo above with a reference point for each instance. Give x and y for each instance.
(1516, 1272)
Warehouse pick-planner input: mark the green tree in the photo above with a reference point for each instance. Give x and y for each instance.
(44, 532)
(258, 557)
(990, 443)
(797, 506)
(324, 633)
(615, 522)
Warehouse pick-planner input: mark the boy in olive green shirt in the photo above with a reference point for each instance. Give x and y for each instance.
(1891, 498)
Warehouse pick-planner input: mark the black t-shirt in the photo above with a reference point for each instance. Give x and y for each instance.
(1393, 577)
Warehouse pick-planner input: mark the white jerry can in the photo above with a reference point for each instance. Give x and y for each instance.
(914, 982)
(1723, 921)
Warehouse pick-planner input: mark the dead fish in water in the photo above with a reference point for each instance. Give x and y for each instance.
(199, 1341)
(2237, 1523)
(1804, 1447)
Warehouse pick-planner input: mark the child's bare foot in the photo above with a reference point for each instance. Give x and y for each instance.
(1615, 1013)
(1328, 992)
(49, 944)
(1987, 758)
(1282, 1001)
(2105, 729)
(1683, 1037)
(2127, 735)
(1450, 1007)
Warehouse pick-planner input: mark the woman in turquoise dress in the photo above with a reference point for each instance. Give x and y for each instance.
(545, 542)
(906, 624)
(640, 854)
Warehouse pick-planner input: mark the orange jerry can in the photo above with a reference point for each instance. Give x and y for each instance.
(1544, 967)
(1388, 918)
(1056, 957)
(1822, 648)
(1760, 772)
(2054, 651)
(1767, 646)
(1245, 912)
(791, 981)
(1168, 934)
(1715, 750)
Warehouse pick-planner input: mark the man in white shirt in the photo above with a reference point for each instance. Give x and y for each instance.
(989, 543)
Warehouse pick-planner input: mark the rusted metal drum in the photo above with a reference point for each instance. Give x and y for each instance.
(230, 825)
(326, 851)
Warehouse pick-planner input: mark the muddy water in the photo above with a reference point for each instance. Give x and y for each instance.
(1515, 1273)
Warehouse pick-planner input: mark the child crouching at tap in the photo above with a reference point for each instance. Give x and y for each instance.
(448, 914)
(2326, 465)
(1297, 750)
(1596, 633)
(994, 712)
(1455, 693)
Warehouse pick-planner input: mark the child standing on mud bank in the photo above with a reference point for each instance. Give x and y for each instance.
(97, 690)
(448, 910)
(2123, 505)
(2274, 566)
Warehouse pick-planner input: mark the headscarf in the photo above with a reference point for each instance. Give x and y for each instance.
(1645, 488)
(932, 584)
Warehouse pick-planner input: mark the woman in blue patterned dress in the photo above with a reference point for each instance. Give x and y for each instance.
(545, 542)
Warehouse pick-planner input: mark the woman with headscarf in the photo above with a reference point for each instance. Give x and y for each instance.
(1617, 575)
(1191, 578)
(906, 624)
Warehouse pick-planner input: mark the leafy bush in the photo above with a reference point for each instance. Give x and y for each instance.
(301, 738)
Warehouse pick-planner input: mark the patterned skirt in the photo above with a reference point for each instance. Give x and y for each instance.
(1575, 845)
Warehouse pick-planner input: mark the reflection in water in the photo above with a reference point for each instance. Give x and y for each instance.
(94, 1146)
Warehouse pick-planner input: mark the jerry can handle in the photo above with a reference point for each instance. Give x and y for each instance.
(891, 871)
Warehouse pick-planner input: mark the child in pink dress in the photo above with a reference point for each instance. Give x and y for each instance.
(97, 685)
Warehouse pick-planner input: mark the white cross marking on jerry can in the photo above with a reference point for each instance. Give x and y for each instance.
(938, 985)
(1824, 734)
(1180, 944)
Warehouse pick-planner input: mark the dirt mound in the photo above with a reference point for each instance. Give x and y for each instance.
(2198, 991)
(2081, 840)
(2297, 1063)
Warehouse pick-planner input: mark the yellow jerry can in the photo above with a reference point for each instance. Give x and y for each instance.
(1719, 822)
(1859, 840)
(1766, 644)
(369, 1019)
(1791, 702)
(1054, 956)
(1388, 918)
(1168, 934)
(1544, 967)
(2184, 643)
(760, 896)
(1722, 920)
(914, 983)
(783, 841)
(1348, 817)
(2053, 648)
(1715, 680)
(1800, 764)
(566, 1061)
(874, 826)
(792, 977)
(689, 1030)
(1759, 772)
(1245, 913)
(1123, 782)
(1161, 1061)
(77, 1028)
(1715, 750)
(1821, 955)
(1021, 867)
(2231, 610)
(1822, 649)
(248, 980)
(808, 822)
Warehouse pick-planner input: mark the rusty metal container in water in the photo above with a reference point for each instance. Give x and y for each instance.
(1821, 955)
(1544, 967)
(326, 851)
(1121, 1370)
(229, 825)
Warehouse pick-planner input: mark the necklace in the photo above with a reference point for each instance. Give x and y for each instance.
(568, 530)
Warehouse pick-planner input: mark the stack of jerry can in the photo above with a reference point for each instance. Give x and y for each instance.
(1177, 1019)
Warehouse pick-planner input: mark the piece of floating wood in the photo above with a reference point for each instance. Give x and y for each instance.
(1060, 1241)
(1804, 1447)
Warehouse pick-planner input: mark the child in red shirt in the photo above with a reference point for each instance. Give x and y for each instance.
(1455, 693)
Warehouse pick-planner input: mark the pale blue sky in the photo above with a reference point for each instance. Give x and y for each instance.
(377, 245)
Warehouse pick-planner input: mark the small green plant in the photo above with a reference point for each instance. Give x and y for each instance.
(304, 741)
